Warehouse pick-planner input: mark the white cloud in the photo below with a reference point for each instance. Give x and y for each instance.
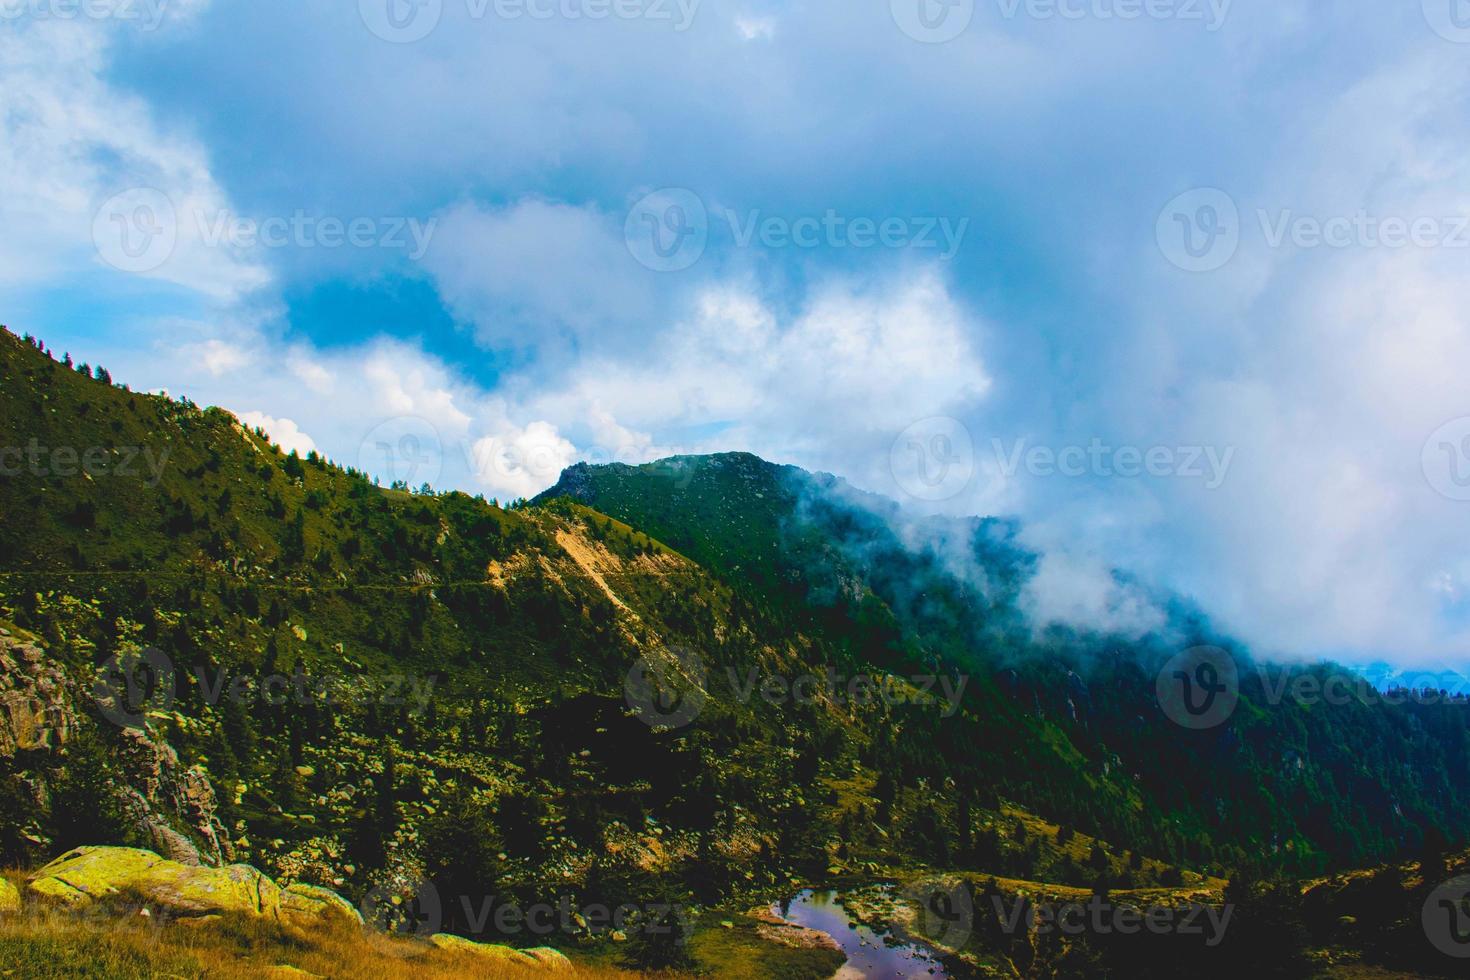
(217, 356)
(521, 461)
(70, 143)
(541, 276)
(283, 432)
(756, 28)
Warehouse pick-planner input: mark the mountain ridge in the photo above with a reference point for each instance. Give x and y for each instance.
(529, 771)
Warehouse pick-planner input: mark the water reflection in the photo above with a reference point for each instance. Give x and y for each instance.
(869, 954)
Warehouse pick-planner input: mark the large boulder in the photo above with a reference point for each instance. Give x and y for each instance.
(310, 903)
(9, 896)
(81, 876)
(489, 951)
(84, 875)
(553, 959)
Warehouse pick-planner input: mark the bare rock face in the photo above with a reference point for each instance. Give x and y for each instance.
(36, 712)
(174, 807)
(159, 787)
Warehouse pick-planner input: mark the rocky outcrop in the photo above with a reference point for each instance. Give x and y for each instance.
(9, 897)
(313, 902)
(161, 793)
(172, 806)
(549, 958)
(36, 711)
(542, 957)
(86, 875)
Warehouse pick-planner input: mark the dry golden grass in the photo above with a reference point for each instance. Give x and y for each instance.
(43, 941)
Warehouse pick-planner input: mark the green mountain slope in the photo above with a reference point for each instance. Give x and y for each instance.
(489, 743)
(1287, 784)
(368, 688)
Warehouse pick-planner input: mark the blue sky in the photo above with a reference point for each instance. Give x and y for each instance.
(1181, 283)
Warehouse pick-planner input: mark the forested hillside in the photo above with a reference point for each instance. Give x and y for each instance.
(368, 688)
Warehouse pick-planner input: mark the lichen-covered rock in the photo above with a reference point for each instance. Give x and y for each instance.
(553, 958)
(86, 874)
(489, 951)
(9, 897)
(310, 903)
(200, 890)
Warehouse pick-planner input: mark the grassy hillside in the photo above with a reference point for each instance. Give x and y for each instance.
(511, 761)
(1283, 784)
(481, 733)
